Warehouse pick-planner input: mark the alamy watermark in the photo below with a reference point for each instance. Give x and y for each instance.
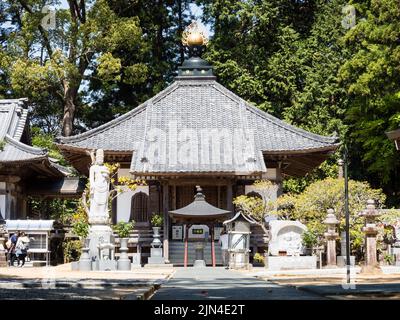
(177, 145)
(48, 278)
(349, 19)
(49, 20)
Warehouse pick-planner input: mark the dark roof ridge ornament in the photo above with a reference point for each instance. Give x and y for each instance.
(195, 68)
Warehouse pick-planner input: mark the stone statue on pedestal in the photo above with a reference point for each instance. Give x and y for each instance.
(99, 177)
(100, 232)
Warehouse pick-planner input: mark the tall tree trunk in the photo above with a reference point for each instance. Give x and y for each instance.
(69, 109)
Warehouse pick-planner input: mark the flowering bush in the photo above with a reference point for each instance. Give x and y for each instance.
(310, 206)
(157, 220)
(79, 222)
(258, 257)
(123, 229)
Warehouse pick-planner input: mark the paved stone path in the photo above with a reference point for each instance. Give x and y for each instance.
(64, 271)
(219, 283)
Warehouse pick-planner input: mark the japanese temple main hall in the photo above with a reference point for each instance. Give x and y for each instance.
(195, 132)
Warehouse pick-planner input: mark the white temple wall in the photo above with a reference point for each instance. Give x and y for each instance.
(124, 199)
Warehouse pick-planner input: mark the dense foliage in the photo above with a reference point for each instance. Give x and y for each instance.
(294, 59)
(310, 207)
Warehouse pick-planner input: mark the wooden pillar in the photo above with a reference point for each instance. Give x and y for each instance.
(279, 192)
(212, 246)
(166, 221)
(185, 254)
(174, 197)
(229, 197)
(219, 196)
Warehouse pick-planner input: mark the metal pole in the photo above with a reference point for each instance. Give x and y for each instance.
(346, 210)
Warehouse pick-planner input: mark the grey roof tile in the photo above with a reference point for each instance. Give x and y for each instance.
(203, 107)
(15, 151)
(13, 120)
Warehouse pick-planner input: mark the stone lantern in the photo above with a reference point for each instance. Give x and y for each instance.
(331, 235)
(370, 229)
(239, 240)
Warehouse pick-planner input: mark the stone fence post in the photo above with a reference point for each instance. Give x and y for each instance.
(331, 235)
(370, 229)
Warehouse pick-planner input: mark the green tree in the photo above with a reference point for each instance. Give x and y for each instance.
(284, 56)
(50, 64)
(162, 23)
(310, 207)
(372, 77)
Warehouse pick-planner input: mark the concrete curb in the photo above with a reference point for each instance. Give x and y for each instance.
(150, 292)
(339, 291)
(81, 284)
(142, 294)
(303, 272)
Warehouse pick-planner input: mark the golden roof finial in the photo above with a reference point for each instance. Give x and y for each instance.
(194, 35)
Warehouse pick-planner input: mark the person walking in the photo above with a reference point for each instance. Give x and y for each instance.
(21, 249)
(223, 241)
(11, 248)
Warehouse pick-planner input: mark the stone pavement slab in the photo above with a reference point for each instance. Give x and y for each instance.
(64, 272)
(218, 283)
(61, 283)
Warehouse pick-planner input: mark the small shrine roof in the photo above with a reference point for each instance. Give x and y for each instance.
(199, 210)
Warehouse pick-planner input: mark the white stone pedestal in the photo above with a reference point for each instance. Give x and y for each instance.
(98, 234)
(156, 256)
(291, 262)
(136, 263)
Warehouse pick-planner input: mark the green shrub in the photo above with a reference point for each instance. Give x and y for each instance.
(157, 220)
(258, 257)
(80, 228)
(72, 250)
(123, 229)
(309, 239)
(310, 206)
(388, 258)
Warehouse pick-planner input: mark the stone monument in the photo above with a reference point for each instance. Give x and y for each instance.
(285, 246)
(100, 231)
(285, 238)
(331, 235)
(370, 214)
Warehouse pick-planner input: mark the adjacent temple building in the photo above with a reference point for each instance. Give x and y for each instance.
(195, 132)
(25, 171)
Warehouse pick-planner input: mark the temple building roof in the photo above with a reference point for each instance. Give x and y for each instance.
(197, 105)
(197, 126)
(16, 151)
